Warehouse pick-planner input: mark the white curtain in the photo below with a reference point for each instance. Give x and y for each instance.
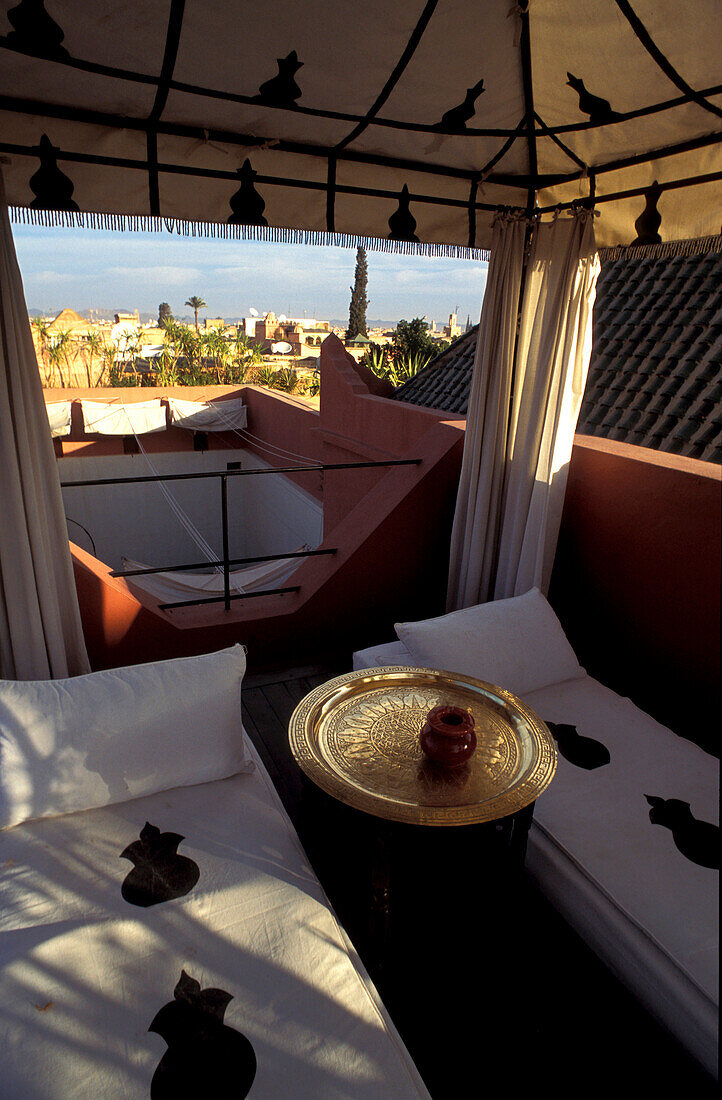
(477, 521)
(41, 636)
(514, 476)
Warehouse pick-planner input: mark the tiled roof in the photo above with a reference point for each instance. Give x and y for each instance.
(444, 384)
(655, 378)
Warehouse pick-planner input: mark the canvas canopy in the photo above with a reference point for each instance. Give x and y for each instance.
(388, 123)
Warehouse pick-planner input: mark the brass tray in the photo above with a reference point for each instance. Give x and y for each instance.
(357, 737)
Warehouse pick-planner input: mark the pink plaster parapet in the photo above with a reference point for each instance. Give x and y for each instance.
(389, 526)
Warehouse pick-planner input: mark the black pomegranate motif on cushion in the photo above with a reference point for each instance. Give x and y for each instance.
(697, 840)
(51, 187)
(159, 873)
(583, 752)
(206, 1059)
(282, 90)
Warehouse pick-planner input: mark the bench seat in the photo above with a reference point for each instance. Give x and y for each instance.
(647, 909)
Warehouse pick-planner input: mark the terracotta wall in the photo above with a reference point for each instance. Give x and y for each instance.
(389, 527)
(637, 579)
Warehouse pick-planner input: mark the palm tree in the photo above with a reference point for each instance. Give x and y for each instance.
(91, 351)
(196, 303)
(44, 340)
(60, 351)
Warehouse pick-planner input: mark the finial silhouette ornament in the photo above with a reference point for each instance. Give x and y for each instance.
(159, 873)
(282, 90)
(247, 205)
(35, 32)
(51, 187)
(456, 119)
(205, 1057)
(402, 223)
(649, 221)
(599, 110)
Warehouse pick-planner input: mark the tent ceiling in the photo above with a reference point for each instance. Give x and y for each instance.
(413, 119)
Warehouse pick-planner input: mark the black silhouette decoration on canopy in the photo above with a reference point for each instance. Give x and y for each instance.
(35, 31)
(649, 221)
(456, 119)
(206, 1059)
(51, 187)
(282, 90)
(55, 87)
(402, 223)
(599, 110)
(159, 873)
(246, 204)
(583, 752)
(698, 841)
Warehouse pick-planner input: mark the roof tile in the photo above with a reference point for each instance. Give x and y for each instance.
(655, 376)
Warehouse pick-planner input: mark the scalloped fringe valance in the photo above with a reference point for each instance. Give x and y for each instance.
(275, 235)
(222, 230)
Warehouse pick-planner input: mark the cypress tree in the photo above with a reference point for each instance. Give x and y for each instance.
(359, 301)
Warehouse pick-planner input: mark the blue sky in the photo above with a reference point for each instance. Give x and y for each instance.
(111, 271)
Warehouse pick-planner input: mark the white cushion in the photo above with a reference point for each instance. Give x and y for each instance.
(648, 910)
(84, 971)
(518, 643)
(118, 734)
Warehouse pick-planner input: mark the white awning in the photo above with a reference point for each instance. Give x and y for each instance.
(208, 416)
(119, 418)
(59, 417)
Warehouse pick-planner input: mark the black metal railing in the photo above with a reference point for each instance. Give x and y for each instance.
(226, 561)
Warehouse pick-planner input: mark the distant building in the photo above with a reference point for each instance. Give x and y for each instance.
(357, 346)
(452, 330)
(212, 323)
(304, 336)
(70, 321)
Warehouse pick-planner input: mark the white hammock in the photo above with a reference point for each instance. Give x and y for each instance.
(171, 587)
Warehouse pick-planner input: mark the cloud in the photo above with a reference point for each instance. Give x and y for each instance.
(52, 277)
(163, 274)
(138, 270)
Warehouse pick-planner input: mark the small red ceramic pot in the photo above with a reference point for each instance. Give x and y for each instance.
(448, 736)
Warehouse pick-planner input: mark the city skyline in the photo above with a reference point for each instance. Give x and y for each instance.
(108, 271)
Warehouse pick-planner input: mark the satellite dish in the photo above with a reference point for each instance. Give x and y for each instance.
(283, 318)
(253, 312)
(281, 348)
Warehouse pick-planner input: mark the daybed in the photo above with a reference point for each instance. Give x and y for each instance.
(624, 841)
(162, 931)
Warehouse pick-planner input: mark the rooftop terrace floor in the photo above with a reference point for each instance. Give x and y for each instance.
(487, 985)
